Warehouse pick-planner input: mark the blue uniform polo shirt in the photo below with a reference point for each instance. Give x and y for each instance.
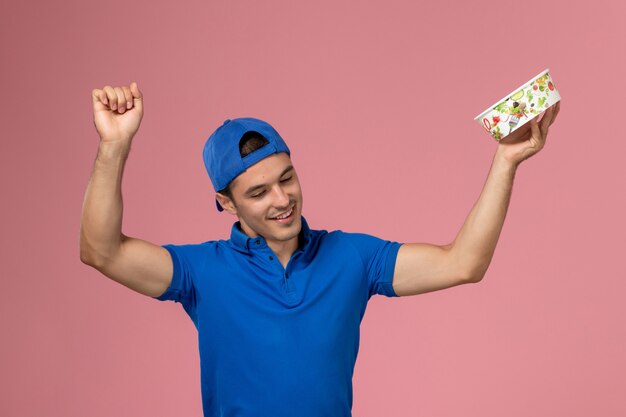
(275, 341)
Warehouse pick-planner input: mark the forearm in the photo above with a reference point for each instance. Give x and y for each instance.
(476, 242)
(101, 220)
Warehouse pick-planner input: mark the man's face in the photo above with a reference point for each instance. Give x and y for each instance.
(264, 191)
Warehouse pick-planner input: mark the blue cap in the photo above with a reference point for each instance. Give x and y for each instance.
(221, 154)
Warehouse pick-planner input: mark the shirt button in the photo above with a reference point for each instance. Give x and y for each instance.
(271, 258)
(258, 242)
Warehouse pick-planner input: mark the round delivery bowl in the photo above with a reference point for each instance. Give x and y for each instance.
(521, 106)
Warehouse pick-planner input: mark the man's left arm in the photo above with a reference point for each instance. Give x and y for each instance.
(423, 267)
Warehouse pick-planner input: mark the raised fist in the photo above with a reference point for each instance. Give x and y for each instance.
(117, 112)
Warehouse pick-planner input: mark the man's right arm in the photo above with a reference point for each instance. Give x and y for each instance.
(134, 263)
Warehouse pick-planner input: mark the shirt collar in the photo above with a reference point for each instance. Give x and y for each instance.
(244, 242)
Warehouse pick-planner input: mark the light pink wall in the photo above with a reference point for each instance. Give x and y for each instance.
(376, 100)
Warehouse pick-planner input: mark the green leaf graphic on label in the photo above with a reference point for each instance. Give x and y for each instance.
(502, 108)
(497, 133)
(541, 102)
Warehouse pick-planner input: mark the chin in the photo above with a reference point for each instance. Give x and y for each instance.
(290, 232)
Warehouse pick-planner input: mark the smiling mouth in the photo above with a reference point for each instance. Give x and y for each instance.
(285, 215)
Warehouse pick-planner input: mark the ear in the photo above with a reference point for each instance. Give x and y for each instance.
(226, 203)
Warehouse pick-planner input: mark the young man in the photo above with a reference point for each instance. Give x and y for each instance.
(277, 306)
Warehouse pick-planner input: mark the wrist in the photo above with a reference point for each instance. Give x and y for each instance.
(113, 150)
(501, 163)
(501, 160)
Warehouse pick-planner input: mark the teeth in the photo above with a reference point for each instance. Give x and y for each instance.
(285, 215)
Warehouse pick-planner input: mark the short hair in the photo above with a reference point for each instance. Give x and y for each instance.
(249, 142)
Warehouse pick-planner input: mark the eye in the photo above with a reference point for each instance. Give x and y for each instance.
(258, 195)
(286, 179)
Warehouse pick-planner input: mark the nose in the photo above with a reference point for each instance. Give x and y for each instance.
(281, 200)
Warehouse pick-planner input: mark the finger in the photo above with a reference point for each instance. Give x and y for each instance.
(556, 111)
(547, 119)
(121, 100)
(137, 96)
(534, 126)
(98, 96)
(128, 97)
(549, 115)
(544, 131)
(111, 97)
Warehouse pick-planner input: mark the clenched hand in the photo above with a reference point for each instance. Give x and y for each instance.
(117, 112)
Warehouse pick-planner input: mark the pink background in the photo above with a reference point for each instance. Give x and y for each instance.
(376, 100)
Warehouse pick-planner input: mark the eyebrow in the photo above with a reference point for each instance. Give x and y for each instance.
(255, 187)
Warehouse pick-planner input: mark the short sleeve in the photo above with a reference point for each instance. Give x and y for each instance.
(379, 259)
(181, 289)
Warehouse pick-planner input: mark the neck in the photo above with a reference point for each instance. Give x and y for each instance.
(284, 250)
